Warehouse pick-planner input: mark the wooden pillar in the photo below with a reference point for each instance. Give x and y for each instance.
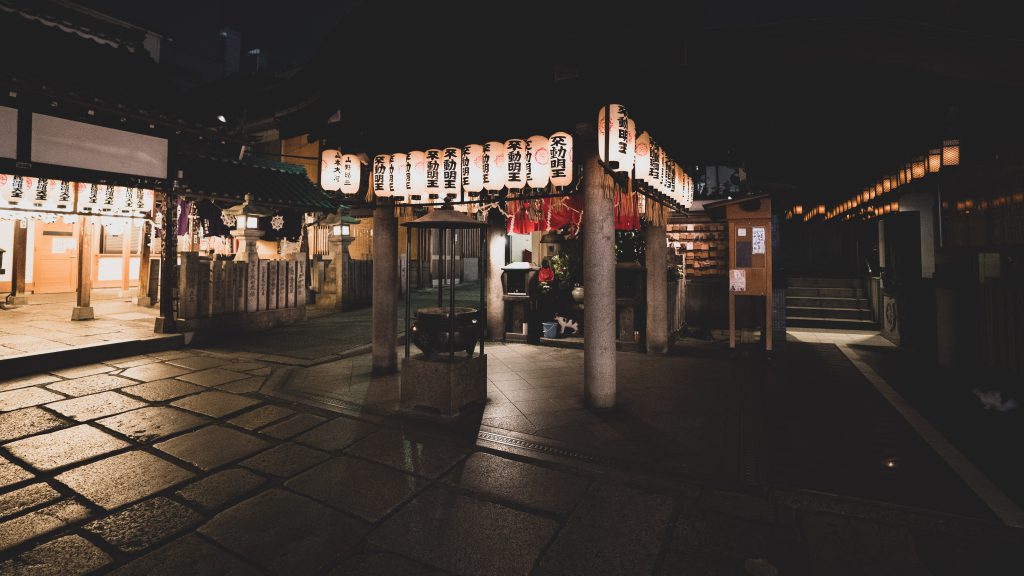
(142, 298)
(126, 256)
(83, 304)
(19, 257)
(598, 275)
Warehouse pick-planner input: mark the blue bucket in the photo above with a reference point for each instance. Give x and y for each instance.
(550, 329)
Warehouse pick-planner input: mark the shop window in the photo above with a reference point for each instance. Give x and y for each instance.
(111, 243)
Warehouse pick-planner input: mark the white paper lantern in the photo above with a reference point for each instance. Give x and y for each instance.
(472, 169)
(538, 164)
(642, 156)
(382, 175)
(349, 181)
(451, 180)
(330, 169)
(494, 166)
(432, 175)
(653, 177)
(399, 175)
(616, 137)
(560, 148)
(7, 189)
(416, 177)
(515, 164)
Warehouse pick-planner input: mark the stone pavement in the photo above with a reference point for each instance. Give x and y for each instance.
(44, 325)
(179, 463)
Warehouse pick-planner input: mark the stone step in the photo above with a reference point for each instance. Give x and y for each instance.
(819, 292)
(838, 313)
(841, 323)
(827, 302)
(810, 282)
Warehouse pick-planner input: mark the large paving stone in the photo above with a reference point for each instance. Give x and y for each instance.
(11, 473)
(295, 536)
(25, 397)
(615, 530)
(95, 406)
(187, 555)
(66, 556)
(285, 460)
(162, 390)
(464, 535)
(196, 362)
(151, 372)
(122, 479)
(380, 488)
(63, 447)
(28, 526)
(526, 484)
(131, 361)
(244, 386)
(24, 498)
(212, 446)
(383, 564)
(142, 525)
(213, 377)
(80, 371)
(336, 434)
(90, 384)
(713, 542)
(215, 403)
(423, 456)
(260, 417)
(152, 423)
(221, 487)
(296, 424)
(34, 380)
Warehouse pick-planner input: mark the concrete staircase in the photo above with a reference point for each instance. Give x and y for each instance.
(828, 303)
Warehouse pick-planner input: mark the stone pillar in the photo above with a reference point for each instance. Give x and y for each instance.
(493, 292)
(143, 298)
(188, 289)
(657, 289)
(83, 302)
(168, 266)
(385, 290)
(598, 275)
(246, 243)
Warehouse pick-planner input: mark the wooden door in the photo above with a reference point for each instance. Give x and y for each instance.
(56, 258)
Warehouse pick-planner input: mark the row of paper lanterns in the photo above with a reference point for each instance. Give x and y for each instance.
(623, 150)
(27, 193)
(421, 177)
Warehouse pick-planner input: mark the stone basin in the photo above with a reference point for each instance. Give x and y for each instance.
(431, 327)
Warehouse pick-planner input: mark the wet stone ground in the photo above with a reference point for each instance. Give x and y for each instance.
(175, 463)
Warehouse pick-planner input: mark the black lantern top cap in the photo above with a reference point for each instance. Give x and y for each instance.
(248, 208)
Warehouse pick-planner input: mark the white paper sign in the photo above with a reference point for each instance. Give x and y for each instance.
(741, 232)
(758, 240)
(738, 280)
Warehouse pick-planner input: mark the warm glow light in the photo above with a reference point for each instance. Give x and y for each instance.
(494, 166)
(918, 169)
(416, 177)
(432, 175)
(381, 175)
(515, 163)
(472, 169)
(538, 171)
(615, 138)
(337, 231)
(330, 170)
(561, 158)
(345, 230)
(934, 160)
(950, 152)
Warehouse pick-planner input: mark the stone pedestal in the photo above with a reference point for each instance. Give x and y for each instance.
(82, 313)
(441, 387)
(248, 237)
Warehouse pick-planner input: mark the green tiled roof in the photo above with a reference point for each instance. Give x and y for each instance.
(275, 185)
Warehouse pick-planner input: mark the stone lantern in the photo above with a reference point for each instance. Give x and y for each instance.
(247, 230)
(340, 226)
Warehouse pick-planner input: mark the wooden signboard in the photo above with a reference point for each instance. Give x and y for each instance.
(750, 257)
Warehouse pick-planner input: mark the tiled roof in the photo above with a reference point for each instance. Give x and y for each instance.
(277, 185)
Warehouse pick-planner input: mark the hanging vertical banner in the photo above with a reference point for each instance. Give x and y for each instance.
(515, 164)
(416, 177)
(472, 169)
(349, 181)
(432, 179)
(330, 170)
(538, 163)
(560, 148)
(381, 175)
(494, 166)
(399, 175)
